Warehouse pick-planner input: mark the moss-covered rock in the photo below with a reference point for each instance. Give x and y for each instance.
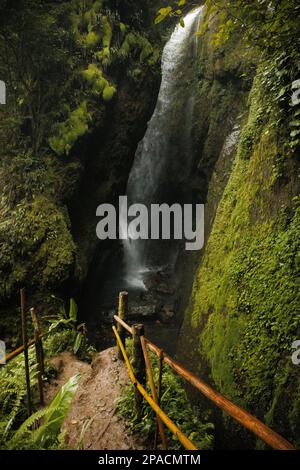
(244, 309)
(246, 290)
(68, 132)
(37, 249)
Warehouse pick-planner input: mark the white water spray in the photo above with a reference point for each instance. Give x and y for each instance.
(163, 159)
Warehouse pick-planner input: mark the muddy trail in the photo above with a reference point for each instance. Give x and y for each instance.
(94, 406)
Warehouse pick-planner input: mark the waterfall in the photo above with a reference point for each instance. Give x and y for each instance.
(163, 161)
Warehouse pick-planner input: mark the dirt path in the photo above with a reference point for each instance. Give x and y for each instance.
(96, 399)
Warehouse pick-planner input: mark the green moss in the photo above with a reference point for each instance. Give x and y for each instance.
(92, 73)
(68, 132)
(109, 92)
(98, 83)
(107, 32)
(123, 28)
(92, 39)
(246, 292)
(97, 5)
(257, 117)
(136, 42)
(36, 247)
(104, 56)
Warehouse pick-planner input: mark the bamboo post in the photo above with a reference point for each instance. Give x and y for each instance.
(122, 313)
(159, 380)
(138, 364)
(168, 422)
(39, 352)
(154, 394)
(25, 345)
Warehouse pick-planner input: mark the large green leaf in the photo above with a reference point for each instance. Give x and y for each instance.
(78, 342)
(52, 416)
(73, 310)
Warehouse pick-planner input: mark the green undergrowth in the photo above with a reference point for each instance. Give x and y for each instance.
(103, 42)
(174, 403)
(74, 58)
(36, 244)
(65, 334)
(42, 430)
(13, 393)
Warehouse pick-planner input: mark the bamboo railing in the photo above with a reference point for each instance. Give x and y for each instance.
(37, 342)
(20, 349)
(267, 435)
(137, 372)
(168, 422)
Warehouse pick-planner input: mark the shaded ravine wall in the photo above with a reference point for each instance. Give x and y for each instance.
(240, 296)
(48, 239)
(110, 152)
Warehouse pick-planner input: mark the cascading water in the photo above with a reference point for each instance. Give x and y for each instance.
(163, 161)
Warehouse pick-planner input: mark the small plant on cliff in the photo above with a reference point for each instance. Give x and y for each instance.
(66, 334)
(69, 131)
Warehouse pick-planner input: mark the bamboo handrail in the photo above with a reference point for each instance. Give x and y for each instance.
(19, 350)
(168, 422)
(242, 416)
(127, 327)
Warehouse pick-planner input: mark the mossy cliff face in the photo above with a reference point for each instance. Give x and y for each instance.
(244, 309)
(111, 149)
(221, 95)
(220, 110)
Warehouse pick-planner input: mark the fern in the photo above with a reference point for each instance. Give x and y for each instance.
(13, 391)
(47, 434)
(24, 429)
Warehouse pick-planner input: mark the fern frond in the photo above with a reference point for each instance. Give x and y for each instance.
(25, 427)
(52, 416)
